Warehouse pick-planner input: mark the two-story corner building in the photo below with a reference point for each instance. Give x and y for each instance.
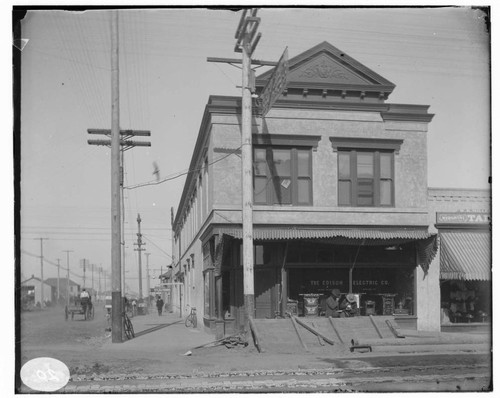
(339, 201)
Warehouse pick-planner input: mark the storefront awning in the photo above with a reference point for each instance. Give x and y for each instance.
(465, 255)
(426, 243)
(278, 233)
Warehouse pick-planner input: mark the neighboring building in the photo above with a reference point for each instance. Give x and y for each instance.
(31, 292)
(340, 200)
(74, 288)
(462, 219)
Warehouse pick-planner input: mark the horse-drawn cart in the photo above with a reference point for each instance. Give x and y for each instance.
(80, 307)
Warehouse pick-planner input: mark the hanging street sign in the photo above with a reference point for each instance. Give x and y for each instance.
(275, 85)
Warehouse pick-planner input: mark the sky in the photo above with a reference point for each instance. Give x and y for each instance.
(438, 57)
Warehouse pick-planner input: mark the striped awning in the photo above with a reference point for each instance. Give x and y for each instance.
(283, 232)
(465, 255)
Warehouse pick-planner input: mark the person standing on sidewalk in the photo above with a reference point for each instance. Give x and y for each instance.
(159, 305)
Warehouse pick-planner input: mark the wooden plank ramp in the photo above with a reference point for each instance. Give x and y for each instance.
(312, 334)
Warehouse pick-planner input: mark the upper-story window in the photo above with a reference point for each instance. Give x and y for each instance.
(283, 169)
(282, 176)
(366, 178)
(365, 171)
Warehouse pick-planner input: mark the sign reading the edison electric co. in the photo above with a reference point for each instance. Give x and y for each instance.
(463, 218)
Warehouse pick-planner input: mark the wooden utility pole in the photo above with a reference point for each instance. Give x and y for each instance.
(116, 288)
(148, 287)
(99, 283)
(92, 268)
(41, 271)
(67, 278)
(246, 43)
(139, 249)
(58, 276)
(105, 288)
(83, 264)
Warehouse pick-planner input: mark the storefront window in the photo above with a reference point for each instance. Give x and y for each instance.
(390, 289)
(465, 301)
(208, 276)
(208, 281)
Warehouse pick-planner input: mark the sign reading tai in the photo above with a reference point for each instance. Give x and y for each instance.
(463, 218)
(275, 85)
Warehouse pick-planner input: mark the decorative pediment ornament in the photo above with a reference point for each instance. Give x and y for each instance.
(326, 67)
(324, 70)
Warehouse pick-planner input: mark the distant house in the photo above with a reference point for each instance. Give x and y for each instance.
(31, 292)
(74, 288)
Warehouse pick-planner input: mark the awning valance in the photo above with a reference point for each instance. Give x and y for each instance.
(425, 241)
(283, 232)
(465, 255)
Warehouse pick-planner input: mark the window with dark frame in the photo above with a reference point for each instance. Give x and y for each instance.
(282, 175)
(365, 177)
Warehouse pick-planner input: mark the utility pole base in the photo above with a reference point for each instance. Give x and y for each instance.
(249, 301)
(116, 317)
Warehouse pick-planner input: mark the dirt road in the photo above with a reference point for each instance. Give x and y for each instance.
(155, 362)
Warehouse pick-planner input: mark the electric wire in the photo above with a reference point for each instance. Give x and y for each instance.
(154, 244)
(180, 174)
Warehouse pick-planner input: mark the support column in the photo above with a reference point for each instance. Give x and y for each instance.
(428, 298)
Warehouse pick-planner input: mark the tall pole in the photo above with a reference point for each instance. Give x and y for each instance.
(116, 293)
(67, 277)
(58, 276)
(92, 268)
(99, 286)
(139, 249)
(147, 279)
(105, 288)
(41, 272)
(244, 35)
(122, 200)
(83, 264)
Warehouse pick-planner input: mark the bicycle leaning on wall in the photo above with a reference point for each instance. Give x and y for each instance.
(191, 320)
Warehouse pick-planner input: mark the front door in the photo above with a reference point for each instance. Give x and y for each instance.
(265, 292)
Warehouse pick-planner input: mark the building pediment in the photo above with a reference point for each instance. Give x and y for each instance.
(325, 71)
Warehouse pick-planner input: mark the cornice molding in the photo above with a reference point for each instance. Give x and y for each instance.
(287, 139)
(407, 117)
(365, 143)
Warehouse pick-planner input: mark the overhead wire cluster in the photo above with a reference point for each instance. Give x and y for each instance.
(86, 53)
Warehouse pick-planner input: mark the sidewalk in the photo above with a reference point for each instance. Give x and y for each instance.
(165, 333)
(162, 342)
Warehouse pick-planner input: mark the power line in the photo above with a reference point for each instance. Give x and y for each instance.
(158, 247)
(182, 173)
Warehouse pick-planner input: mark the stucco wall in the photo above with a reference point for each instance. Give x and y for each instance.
(410, 164)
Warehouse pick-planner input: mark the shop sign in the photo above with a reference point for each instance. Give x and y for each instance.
(370, 282)
(326, 283)
(355, 282)
(463, 218)
(275, 85)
